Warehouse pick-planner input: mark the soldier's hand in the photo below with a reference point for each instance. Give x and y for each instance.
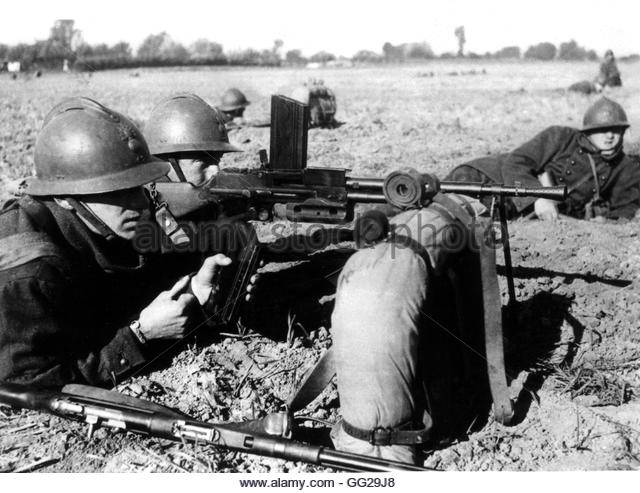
(205, 281)
(546, 209)
(168, 315)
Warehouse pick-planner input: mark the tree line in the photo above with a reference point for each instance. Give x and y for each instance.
(65, 47)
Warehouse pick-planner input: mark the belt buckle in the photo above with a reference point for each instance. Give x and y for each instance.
(383, 437)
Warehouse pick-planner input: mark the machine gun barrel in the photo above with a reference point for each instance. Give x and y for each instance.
(552, 193)
(425, 186)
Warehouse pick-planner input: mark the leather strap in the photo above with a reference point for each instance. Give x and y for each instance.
(83, 211)
(402, 435)
(594, 172)
(493, 337)
(492, 308)
(177, 169)
(314, 382)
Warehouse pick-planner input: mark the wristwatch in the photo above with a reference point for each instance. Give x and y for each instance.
(135, 328)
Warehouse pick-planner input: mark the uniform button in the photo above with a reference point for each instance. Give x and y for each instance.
(123, 361)
(573, 162)
(568, 172)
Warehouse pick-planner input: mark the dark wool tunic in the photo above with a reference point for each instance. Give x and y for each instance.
(564, 153)
(64, 314)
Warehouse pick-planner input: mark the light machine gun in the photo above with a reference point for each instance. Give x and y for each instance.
(284, 187)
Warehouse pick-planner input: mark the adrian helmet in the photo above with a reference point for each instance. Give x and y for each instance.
(86, 148)
(233, 99)
(604, 113)
(186, 123)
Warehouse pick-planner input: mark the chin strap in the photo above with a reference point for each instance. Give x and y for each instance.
(614, 155)
(178, 170)
(85, 213)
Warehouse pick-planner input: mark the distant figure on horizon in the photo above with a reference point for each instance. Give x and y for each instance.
(609, 76)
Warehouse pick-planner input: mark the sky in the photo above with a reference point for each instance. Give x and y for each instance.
(341, 27)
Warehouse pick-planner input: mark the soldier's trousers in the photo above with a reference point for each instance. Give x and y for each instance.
(382, 302)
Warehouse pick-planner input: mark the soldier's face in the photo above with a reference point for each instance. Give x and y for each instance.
(607, 140)
(120, 211)
(199, 168)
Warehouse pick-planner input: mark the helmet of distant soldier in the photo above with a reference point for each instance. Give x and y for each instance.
(186, 123)
(233, 99)
(86, 148)
(604, 113)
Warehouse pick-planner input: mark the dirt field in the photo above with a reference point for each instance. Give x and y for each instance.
(578, 283)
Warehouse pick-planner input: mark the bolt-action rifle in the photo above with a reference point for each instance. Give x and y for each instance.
(266, 437)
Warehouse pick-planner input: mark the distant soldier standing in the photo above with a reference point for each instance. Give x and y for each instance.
(602, 180)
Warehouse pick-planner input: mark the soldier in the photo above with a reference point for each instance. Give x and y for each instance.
(186, 131)
(232, 106)
(191, 136)
(602, 181)
(609, 75)
(321, 101)
(77, 302)
(398, 303)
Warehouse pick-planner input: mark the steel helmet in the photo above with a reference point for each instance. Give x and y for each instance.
(186, 123)
(233, 99)
(604, 113)
(86, 148)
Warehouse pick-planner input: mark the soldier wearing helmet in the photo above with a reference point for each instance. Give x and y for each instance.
(186, 131)
(232, 106)
(601, 179)
(609, 75)
(77, 302)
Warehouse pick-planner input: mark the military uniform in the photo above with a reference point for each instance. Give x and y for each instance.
(66, 299)
(598, 183)
(394, 313)
(71, 282)
(609, 74)
(565, 153)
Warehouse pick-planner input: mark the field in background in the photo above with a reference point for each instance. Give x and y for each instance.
(419, 115)
(431, 117)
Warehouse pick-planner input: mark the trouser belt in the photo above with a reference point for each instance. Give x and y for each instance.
(381, 435)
